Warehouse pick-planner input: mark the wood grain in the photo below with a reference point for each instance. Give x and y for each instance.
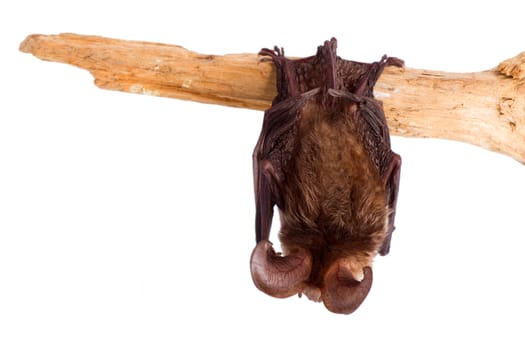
(485, 108)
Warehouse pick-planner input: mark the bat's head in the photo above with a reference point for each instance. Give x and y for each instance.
(342, 285)
(330, 260)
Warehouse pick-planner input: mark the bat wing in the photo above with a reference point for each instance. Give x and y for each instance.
(391, 179)
(357, 89)
(298, 81)
(276, 143)
(271, 156)
(388, 163)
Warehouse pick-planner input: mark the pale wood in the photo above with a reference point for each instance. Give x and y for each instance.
(486, 108)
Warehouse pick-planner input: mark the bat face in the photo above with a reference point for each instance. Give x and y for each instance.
(324, 159)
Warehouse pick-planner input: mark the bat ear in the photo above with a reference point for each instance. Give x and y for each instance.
(343, 292)
(277, 275)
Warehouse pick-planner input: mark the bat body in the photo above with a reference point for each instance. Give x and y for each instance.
(324, 159)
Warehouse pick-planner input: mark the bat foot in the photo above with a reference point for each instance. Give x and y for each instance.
(271, 55)
(277, 51)
(393, 61)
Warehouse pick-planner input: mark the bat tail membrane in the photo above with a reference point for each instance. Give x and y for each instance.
(298, 76)
(328, 57)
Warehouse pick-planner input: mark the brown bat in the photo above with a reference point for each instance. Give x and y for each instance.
(324, 158)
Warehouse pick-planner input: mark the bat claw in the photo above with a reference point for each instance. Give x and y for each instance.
(277, 51)
(394, 61)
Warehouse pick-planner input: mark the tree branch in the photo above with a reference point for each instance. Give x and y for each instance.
(486, 108)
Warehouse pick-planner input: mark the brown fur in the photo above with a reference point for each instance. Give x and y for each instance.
(324, 159)
(334, 200)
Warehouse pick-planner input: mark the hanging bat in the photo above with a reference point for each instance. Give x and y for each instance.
(324, 159)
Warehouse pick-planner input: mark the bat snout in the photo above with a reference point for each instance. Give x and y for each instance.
(312, 293)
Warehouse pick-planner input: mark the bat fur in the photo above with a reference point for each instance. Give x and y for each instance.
(324, 159)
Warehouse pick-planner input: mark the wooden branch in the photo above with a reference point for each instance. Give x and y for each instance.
(486, 108)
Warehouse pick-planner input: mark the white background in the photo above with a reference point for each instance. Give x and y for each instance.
(127, 221)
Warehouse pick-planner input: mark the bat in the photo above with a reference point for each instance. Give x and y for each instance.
(324, 159)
